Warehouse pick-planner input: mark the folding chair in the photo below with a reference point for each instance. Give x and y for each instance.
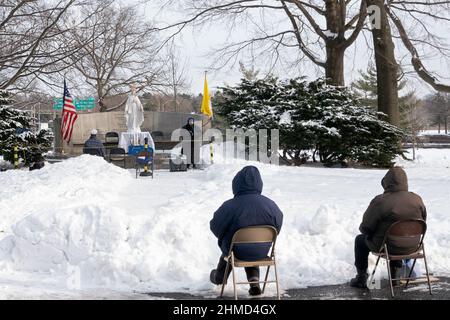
(112, 138)
(144, 160)
(252, 235)
(404, 234)
(117, 155)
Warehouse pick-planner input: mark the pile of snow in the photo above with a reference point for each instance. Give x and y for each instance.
(227, 152)
(5, 164)
(86, 224)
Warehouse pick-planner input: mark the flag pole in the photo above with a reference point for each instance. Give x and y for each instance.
(211, 147)
(61, 122)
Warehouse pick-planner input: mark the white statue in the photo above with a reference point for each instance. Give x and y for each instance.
(134, 112)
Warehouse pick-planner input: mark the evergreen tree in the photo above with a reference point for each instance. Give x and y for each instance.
(316, 118)
(15, 132)
(367, 88)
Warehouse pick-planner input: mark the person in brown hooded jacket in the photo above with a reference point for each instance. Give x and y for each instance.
(396, 204)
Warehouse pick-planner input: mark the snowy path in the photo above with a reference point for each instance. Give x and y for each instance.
(86, 224)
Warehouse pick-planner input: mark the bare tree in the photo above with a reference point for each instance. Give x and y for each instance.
(320, 32)
(175, 73)
(438, 106)
(386, 63)
(116, 47)
(414, 118)
(28, 33)
(420, 35)
(387, 13)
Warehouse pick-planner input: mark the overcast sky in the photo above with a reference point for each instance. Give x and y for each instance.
(197, 44)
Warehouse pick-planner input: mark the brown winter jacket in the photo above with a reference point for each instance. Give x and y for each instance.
(394, 205)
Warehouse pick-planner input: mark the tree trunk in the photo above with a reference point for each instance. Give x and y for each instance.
(335, 17)
(334, 70)
(446, 125)
(387, 68)
(102, 105)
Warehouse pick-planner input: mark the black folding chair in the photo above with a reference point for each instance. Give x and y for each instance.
(112, 138)
(117, 155)
(404, 234)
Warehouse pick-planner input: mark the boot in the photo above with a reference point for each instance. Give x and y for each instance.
(360, 281)
(255, 290)
(212, 277)
(395, 273)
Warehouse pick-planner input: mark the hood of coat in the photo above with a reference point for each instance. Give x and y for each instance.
(248, 181)
(395, 180)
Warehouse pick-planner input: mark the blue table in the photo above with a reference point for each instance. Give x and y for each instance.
(134, 150)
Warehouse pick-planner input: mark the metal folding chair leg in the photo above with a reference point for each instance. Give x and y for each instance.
(410, 274)
(426, 269)
(234, 276)
(276, 279)
(388, 264)
(265, 279)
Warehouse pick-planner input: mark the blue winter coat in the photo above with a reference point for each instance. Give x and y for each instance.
(248, 208)
(94, 147)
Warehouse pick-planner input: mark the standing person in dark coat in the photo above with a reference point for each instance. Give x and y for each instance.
(94, 146)
(191, 128)
(248, 208)
(396, 204)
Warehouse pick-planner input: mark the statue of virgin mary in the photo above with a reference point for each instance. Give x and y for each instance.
(134, 111)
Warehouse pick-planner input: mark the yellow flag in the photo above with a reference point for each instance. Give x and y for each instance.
(206, 104)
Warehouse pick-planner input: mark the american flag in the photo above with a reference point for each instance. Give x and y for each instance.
(69, 115)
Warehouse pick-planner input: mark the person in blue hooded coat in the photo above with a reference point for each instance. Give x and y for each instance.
(248, 208)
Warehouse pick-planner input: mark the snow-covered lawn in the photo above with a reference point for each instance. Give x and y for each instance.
(85, 224)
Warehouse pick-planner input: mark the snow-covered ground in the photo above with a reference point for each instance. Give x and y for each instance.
(86, 229)
(432, 132)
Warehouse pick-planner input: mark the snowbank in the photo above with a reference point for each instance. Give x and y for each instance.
(427, 159)
(4, 164)
(89, 224)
